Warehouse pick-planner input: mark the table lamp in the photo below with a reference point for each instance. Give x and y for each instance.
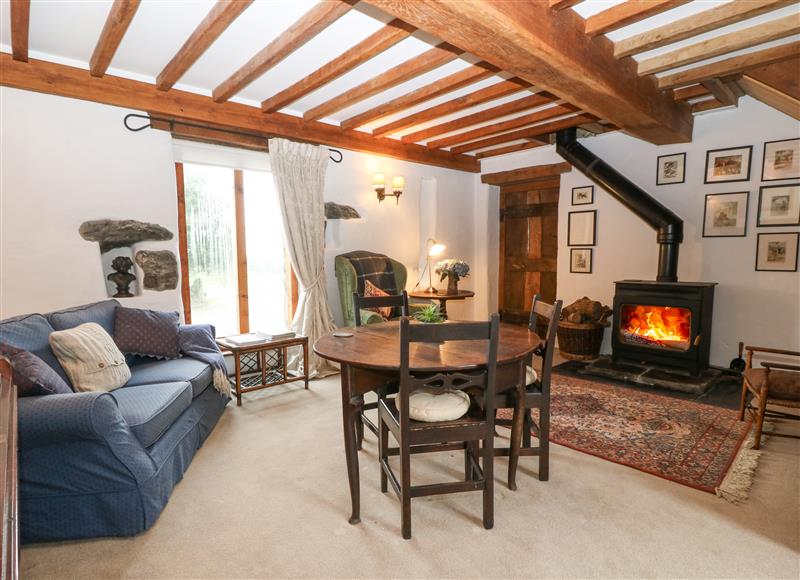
(434, 249)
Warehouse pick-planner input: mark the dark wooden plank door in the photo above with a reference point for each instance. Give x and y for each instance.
(528, 246)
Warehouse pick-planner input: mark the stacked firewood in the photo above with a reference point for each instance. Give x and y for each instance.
(586, 311)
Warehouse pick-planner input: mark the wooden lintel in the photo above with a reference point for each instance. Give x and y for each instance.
(526, 173)
(549, 49)
(65, 81)
(210, 134)
(20, 26)
(117, 22)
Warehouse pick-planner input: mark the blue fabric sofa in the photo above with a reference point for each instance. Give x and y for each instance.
(105, 464)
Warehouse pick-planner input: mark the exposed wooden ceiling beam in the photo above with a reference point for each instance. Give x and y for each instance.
(695, 24)
(782, 76)
(425, 62)
(721, 91)
(117, 22)
(20, 25)
(221, 15)
(549, 49)
(371, 46)
(65, 81)
(535, 131)
(526, 173)
(771, 96)
(730, 66)
(752, 36)
(304, 29)
(515, 123)
(508, 149)
(562, 4)
(692, 92)
(448, 84)
(626, 13)
(515, 106)
(708, 105)
(484, 95)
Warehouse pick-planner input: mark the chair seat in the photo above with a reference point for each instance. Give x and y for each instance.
(783, 385)
(149, 410)
(473, 417)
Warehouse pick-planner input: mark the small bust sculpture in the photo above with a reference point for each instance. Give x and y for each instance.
(122, 276)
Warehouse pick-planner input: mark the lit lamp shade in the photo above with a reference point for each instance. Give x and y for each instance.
(398, 183)
(378, 180)
(436, 248)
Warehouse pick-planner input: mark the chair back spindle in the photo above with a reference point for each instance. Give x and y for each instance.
(552, 312)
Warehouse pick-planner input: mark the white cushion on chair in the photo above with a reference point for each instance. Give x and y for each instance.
(432, 405)
(530, 376)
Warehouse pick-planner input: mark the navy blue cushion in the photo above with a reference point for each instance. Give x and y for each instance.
(199, 374)
(147, 332)
(100, 312)
(32, 375)
(32, 333)
(149, 410)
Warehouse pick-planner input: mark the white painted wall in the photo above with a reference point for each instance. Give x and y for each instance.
(65, 161)
(757, 307)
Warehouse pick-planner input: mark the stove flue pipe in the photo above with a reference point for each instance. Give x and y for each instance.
(668, 226)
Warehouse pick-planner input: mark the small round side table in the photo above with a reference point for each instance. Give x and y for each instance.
(443, 297)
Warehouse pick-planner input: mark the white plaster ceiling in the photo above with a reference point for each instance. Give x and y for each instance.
(65, 31)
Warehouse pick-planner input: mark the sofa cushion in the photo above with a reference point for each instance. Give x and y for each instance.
(199, 374)
(100, 312)
(92, 360)
(149, 410)
(32, 333)
(32, 375)
(147, 332)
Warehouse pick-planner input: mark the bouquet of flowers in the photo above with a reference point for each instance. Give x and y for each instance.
(453, 269)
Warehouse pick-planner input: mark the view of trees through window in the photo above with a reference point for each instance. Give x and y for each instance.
(211, 232)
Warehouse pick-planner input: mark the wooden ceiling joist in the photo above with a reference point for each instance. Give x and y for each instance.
(695, 24)
(509, 149)
(781, 76)
(526, 174)
(484, 95)
(526, 133)
(515, 123)
(20, 26)
(740, 39)
(425, 62)
(117, 22)
(71, 82)
(563, 4)
(304, 29)
(722, 91)
(626, 13)
(708, 105)
(515, 106)
(549, 49)
(374, 44)
(731, 66)
(221, 15)
(691, 92)
(448, 84)
(771, 96)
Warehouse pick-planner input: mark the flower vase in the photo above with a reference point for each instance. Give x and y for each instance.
(452, 285)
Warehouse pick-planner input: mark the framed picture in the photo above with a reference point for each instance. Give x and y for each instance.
(724, 165)
(671, 169)
(777, 252)
(582, 228)
(779, 205)
(781, 160)
(583, 195)
(580, 260)
(725, 215)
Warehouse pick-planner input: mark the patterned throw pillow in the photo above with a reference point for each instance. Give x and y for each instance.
(147, 332)
(31, 374)
(371, 290)
(91, 359)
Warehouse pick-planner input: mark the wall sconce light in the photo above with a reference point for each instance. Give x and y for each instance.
(379, 185)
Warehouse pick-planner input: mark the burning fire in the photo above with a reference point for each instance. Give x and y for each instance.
(656, 325)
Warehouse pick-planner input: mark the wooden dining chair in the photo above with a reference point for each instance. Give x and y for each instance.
(534, 395)
(394, 301)
(472, 432)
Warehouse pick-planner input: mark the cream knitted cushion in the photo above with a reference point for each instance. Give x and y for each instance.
(432, 405)
(530, 375)
(90, 358)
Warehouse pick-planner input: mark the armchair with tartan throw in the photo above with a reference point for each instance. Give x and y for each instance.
(353, 269)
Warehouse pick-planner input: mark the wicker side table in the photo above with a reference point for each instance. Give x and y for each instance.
(263, 365)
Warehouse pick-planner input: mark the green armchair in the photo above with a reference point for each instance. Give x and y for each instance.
(346, 279)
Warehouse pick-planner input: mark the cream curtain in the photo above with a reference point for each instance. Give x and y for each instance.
(299, 173)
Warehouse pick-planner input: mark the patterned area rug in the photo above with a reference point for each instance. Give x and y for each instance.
(687, 442)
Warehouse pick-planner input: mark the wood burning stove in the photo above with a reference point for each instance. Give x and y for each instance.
(665, 323)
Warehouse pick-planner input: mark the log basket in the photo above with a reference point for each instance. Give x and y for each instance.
(580, 341)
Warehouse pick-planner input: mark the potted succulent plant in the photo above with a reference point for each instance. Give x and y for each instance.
(429, 314)
(453, 270)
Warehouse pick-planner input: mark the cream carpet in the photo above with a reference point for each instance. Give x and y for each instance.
(267, 497)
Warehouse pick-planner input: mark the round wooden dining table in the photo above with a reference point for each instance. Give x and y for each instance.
(370, 358)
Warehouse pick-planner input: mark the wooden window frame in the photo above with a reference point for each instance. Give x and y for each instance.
(292, 288)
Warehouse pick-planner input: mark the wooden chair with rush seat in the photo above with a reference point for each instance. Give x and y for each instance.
(534, 395)
(473, 432)
(772, 383)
